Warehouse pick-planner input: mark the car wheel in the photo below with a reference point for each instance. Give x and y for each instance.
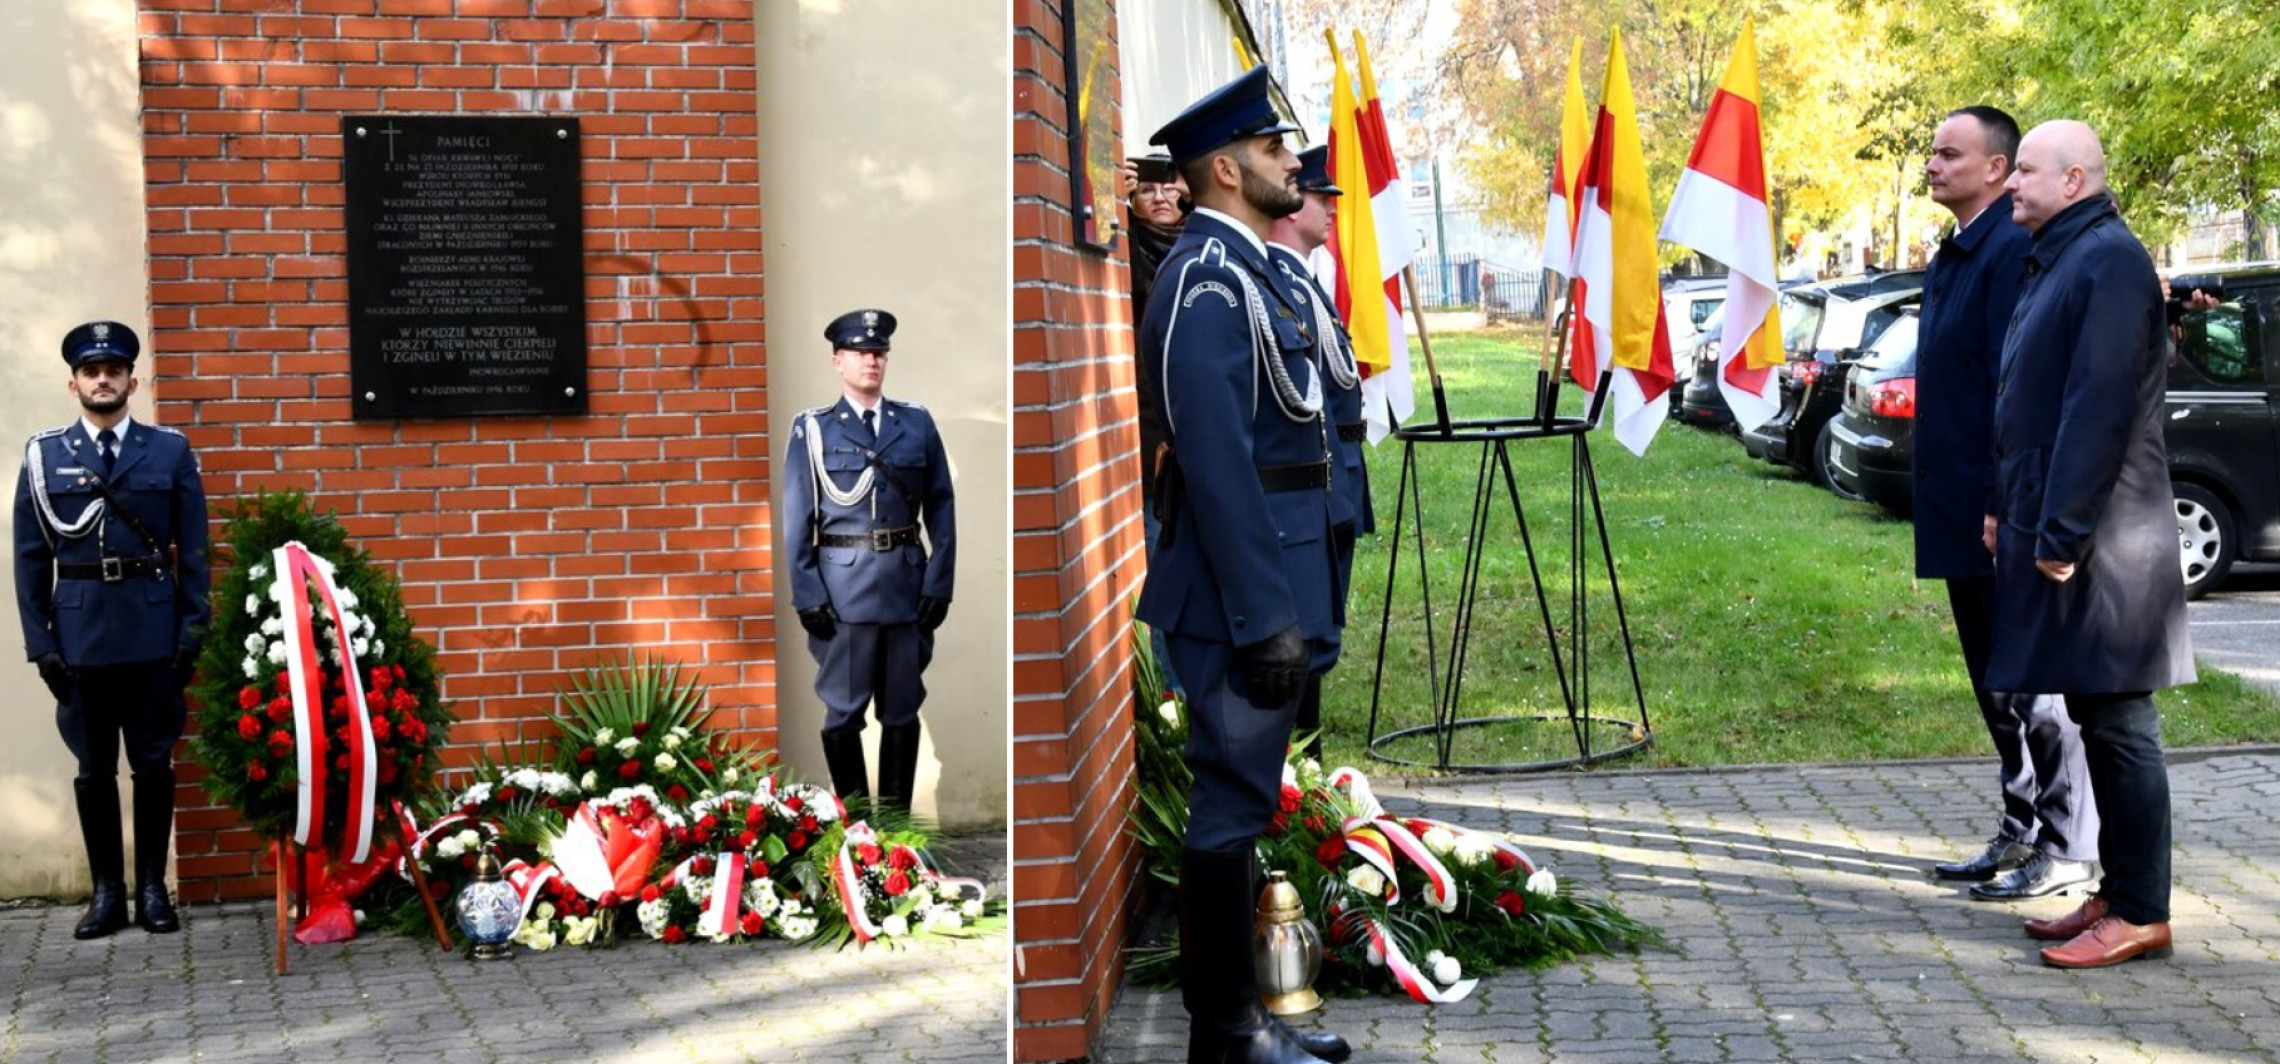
(1825, 465)
(2207, 542)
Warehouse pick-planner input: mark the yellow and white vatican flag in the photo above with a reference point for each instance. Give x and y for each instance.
(1621, 334)
(1721, 210)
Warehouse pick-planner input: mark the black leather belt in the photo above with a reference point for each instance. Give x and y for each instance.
(878, 539)
(1311, 475)
(113, 570)
(1354, 431)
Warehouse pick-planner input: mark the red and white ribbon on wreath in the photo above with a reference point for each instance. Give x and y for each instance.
(417, 838)
(1384, 950)
(297, 569)
(1377, 841)
(527, 879)
(850, 881)
(1503, 846)
(726, 908)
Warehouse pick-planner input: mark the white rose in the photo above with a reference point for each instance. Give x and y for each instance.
(603, 737)
(1472, 850)
(666, 762)
(450, 848)
(277, 652)
(545, 911)
(627, 745)
(894, 926)
(972, 908)
(1366, 879)
(468, 839)
(577, 931)
(1440, 840)
(1446, 971)
(922, 898)
(730, 775)
(1543, 883)
(672, 740)
(587, 781)
(1170, 711)
(943, 918)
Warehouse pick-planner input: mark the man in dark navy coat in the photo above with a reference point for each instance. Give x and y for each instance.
(112, 582)
(1242, 578)
(1291, 243)
(862, 475)
(2049, 829)
(2089, 600)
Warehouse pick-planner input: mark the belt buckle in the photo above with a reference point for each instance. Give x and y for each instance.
(882, 540)
(114, 570)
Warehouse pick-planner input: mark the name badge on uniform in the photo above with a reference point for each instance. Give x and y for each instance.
(71, 471)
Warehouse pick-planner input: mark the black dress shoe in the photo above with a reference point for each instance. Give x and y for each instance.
(2042, 876)
(1322, 1044)
(106, 912)
(2001, 855)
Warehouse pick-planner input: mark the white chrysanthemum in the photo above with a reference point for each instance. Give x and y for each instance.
(795, 921)
(627, 745)
(1440, 840)
(273, 626)
(558, 784)
(760, 897)
(277, 652)
(254, 644)
(476, 794)
(651, 915)
(894, 926)
(362, 647)
(1543, 883)
(450, 848)
(1446, 971)
(1366, 879)
(260, 571)
(604, 737)
(379, 648)
(667, 762)
(1290, 774)
(252, 669)
(253, 604)
(347, 599)
(1170, 711)
(1471, 850)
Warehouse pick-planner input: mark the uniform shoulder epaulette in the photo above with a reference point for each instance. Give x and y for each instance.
(907, 403)
(171, 432)
(815, 411)
(45, 433)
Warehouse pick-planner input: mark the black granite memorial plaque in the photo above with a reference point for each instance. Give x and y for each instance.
(466, 278)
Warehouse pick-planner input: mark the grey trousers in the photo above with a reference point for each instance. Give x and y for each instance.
(2047, 796)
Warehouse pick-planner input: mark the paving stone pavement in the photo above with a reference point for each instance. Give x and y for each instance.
(1804, 928)
(210, 995)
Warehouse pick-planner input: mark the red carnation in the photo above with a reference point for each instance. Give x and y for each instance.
(507, 793)
(794, 804)
(285, 682)
(868, 853)
(1511, 903)
(903, 857)
(629, 770)
(798, 841)
(249, 698)
(898, 883)
(249, 727)
(280, 708)
(402, 701)
(673, 934)
(807, 824)
(586, 756)
(707, 822)
(704, 765)
(1290, 798)
(381, 728)
(382, 679)
(399, 671)
(1506, 862)
(608, 900)
(702, 866)
(340, 707)
(677, 793)
(651, 893)
(387, 772)
(414, 731)
(754, 816)
(758, 869)
(640, 728)
(255, 772)
(1332, 851)
(751, 923)
(1279, 824)
(340, 762)
(747, 840)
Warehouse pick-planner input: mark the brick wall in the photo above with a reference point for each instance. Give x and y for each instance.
(528, 547)
(1077, 561)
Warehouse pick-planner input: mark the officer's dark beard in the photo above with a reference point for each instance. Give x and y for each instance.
(1271, 197)
(95, 404)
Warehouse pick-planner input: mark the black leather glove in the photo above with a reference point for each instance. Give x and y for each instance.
(821, 622)
(931, 611)
(1275, 669)
(185, 663)
(56, 675)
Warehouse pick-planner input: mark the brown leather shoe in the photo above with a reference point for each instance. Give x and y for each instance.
(2110, 941)
(2074, 923)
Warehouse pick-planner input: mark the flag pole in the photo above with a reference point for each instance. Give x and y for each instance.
(1554, 351)
(1425, 341)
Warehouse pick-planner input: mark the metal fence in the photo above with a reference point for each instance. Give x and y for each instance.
(1469, 282)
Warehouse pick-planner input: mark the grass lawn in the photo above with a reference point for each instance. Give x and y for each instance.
(1773, 621)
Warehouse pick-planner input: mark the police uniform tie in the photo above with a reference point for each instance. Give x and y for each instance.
(107, 446)
(871, 423)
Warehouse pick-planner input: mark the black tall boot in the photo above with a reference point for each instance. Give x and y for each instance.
(843, 752)
(1226, 1022)
(154, 832)
(898, 764)
(98, 801)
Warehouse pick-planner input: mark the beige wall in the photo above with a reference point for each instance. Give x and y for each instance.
(884, 141)
(71, 250)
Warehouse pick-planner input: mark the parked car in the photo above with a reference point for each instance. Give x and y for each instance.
(1687, 304)
(1869, 449)
(1699, 402)
(2223, 424)
(1822, 325)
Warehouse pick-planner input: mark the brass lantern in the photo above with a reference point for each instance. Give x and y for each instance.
(1286, 950)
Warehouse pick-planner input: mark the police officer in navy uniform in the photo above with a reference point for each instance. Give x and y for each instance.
(111, 579)
(1292, 242)
(862, 477)
(1242, 579)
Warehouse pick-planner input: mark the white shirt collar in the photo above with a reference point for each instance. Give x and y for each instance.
(1974, 217)
(125, 423)
(857, 406)
(1300, 255)
(1229, 221)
